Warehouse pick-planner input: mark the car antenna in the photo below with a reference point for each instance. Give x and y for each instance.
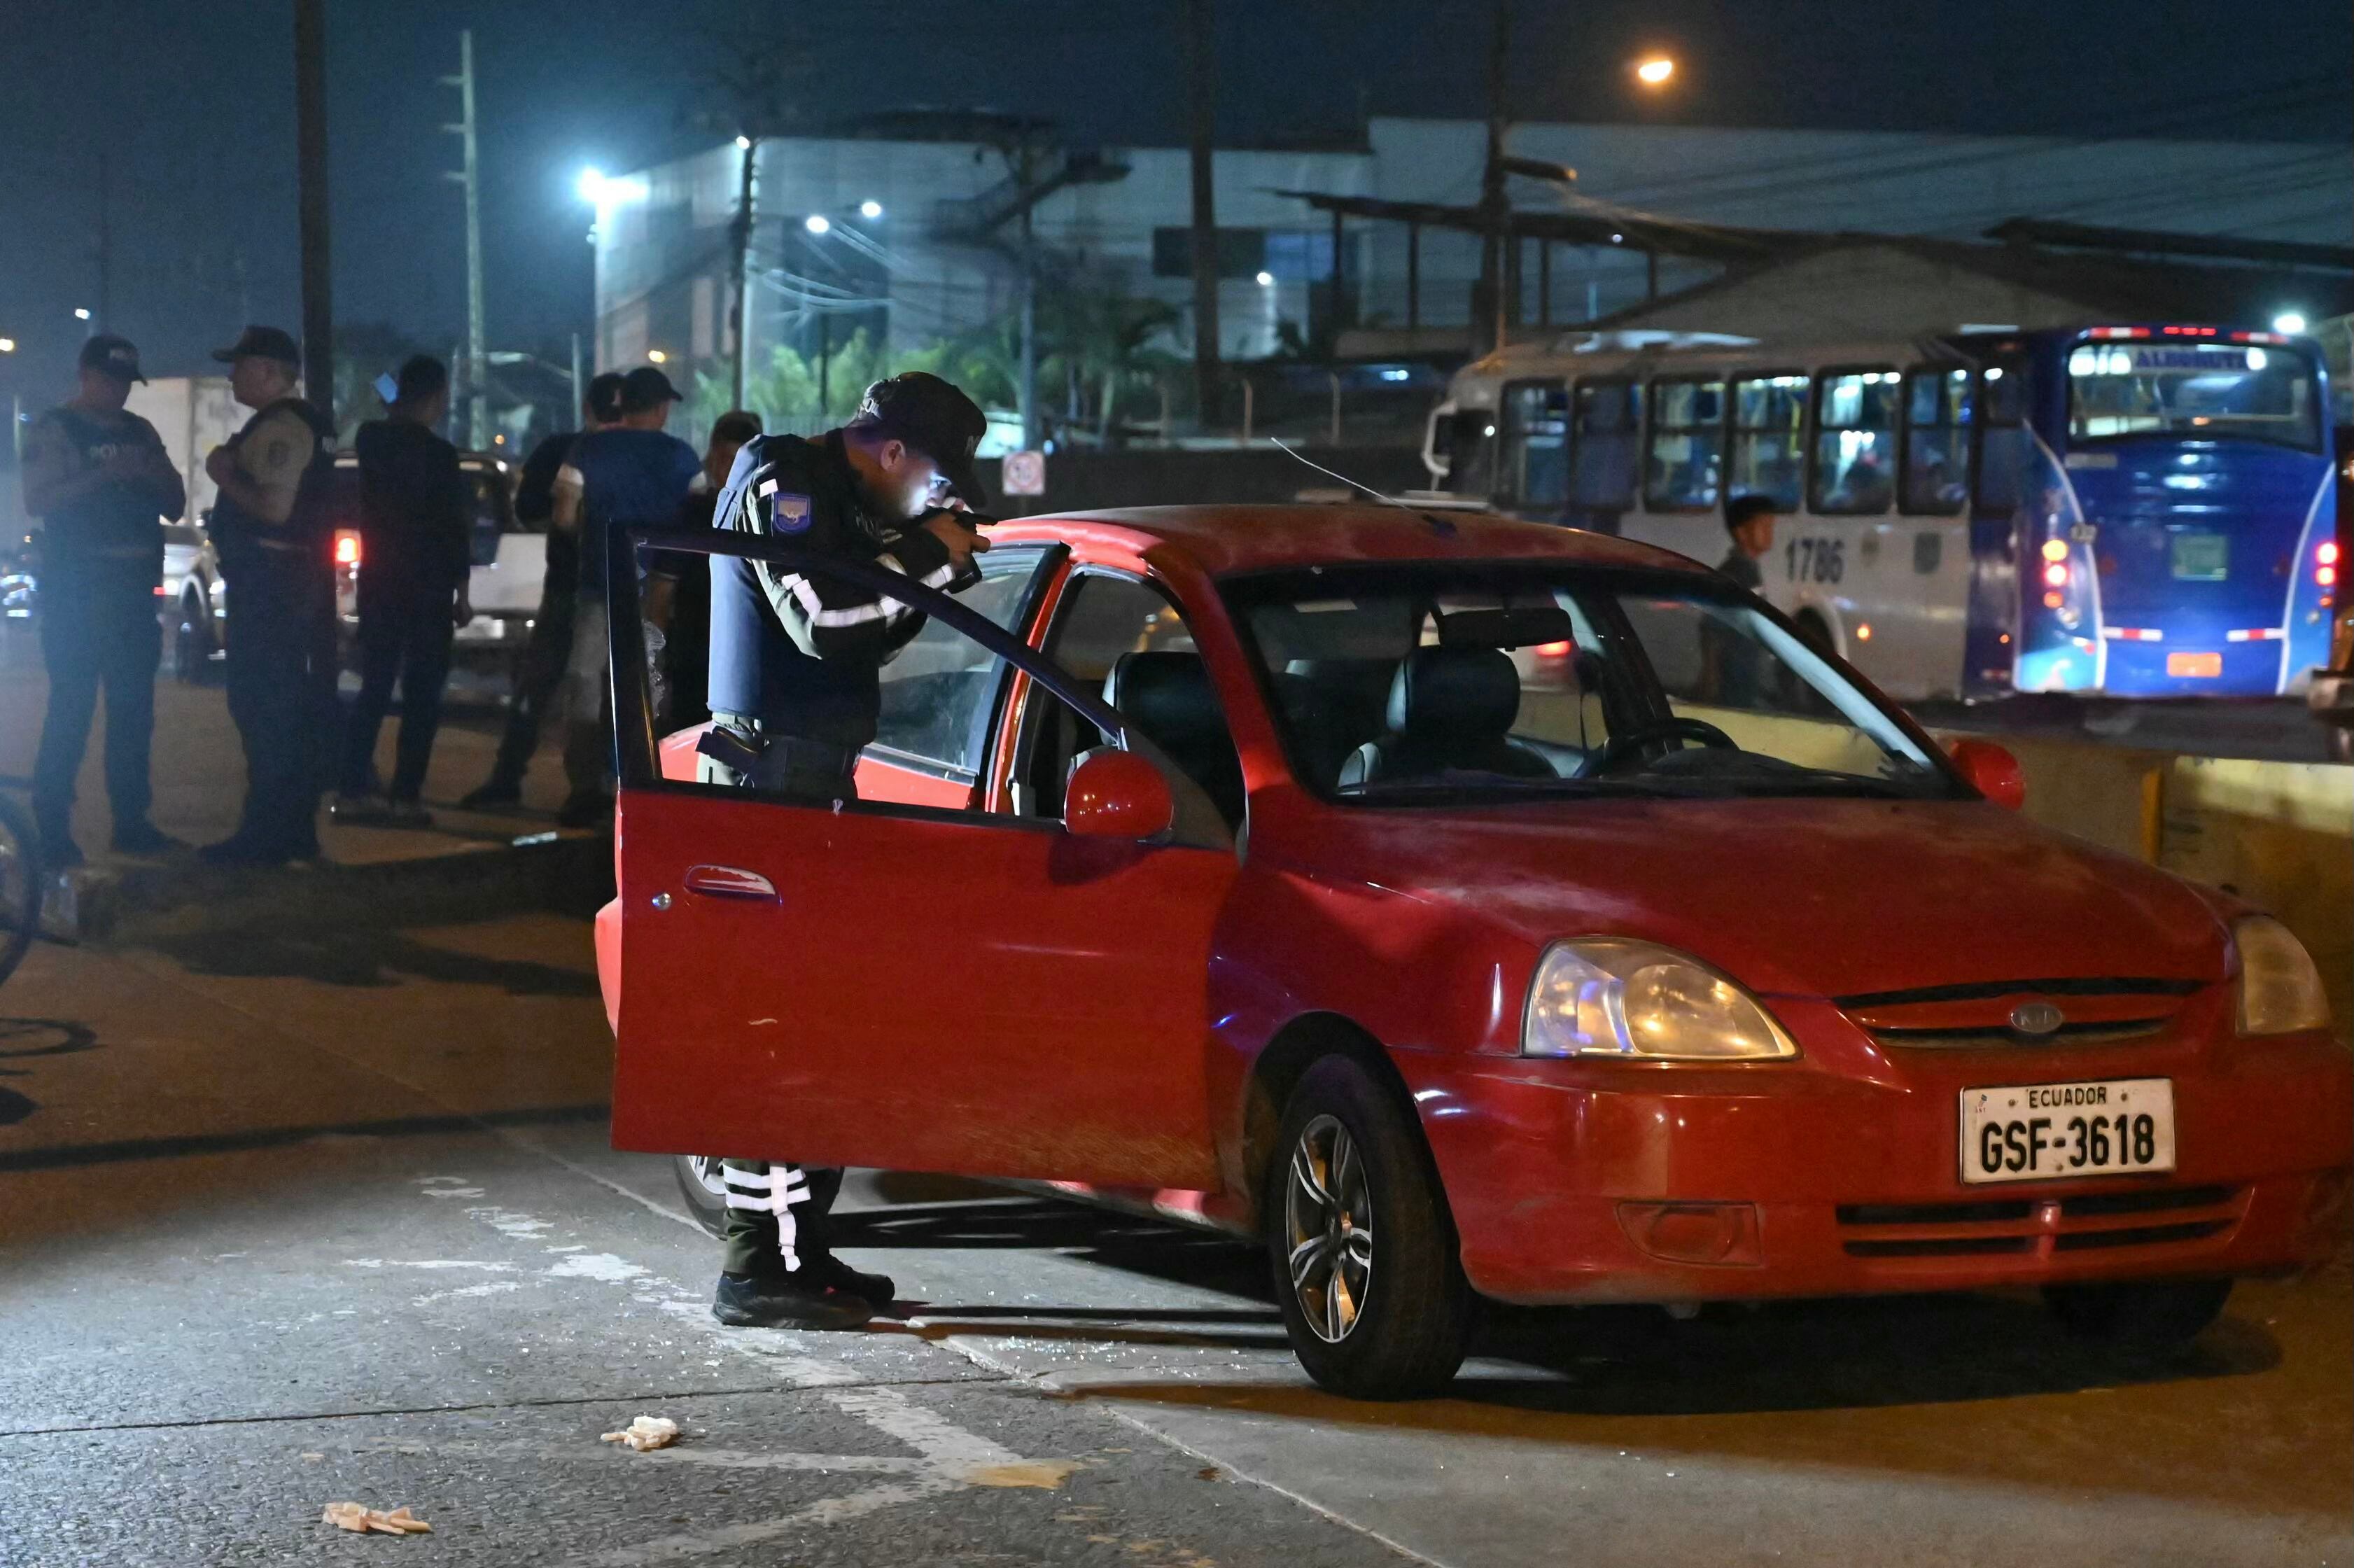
(1439, 524)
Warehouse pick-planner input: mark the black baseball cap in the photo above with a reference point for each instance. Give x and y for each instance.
(115, 356)
(262, 342)
(646, 388)
(936, 419)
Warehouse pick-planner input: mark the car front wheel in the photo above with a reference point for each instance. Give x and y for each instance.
(706, 1191)
(1363, 1251)
(2142, 1317)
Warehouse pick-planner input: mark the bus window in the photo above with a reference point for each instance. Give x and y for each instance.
(1472, 453)
(2198, 389)
(1608, 421)
(1686, 446)
(1768, 455)
(1532, 467)
(1855, 440)
(1936, 441)
(2002, 437)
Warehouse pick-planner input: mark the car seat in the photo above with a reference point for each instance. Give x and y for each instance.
(1450, 711)
(1170, 698)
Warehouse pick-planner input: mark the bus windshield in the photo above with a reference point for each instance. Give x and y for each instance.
(2206, 391)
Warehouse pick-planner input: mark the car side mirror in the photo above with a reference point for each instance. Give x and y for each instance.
(1114, 794)
(1992, 772)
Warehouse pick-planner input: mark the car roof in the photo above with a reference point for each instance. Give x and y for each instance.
(1224, 539)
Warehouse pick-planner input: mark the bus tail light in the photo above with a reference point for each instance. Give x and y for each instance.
(2056, 573)
(347, 548)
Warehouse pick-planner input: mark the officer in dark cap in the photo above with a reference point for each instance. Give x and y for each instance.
(271, 528)
(97, 476)
(795, 692)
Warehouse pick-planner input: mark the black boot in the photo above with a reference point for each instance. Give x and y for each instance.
(782, 1301)
(824, 1268)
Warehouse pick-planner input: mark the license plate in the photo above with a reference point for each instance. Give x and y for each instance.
(2037, 1132)
(2202, 557)
(2194, 666)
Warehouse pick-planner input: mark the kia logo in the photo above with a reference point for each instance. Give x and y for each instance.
(2035, 1018)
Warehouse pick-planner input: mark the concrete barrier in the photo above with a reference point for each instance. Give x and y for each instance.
(2279, 834)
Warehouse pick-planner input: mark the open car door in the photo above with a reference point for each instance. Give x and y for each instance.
(904, 986)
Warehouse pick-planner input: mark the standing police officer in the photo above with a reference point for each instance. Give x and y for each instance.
(269, 529)
(97, 478)
(795, 692)
(539, 674)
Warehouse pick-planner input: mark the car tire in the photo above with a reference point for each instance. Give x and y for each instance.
(700, 1186)
(1366, 1324)
(2142, 1317)
(192, 645)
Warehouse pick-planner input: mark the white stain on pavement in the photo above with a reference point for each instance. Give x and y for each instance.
(947, 1458)
(496, 1288)
(601, 1265)
(429, 1263)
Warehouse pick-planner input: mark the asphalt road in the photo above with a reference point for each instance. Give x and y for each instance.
(312, 1217)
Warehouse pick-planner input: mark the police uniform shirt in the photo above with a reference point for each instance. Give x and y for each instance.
(273, 451)
(116, 522)
(800, 655)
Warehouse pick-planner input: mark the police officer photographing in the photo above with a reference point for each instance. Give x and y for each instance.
(795, 692)
(97, 476)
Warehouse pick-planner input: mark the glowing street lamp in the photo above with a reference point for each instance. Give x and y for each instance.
(82, 313)
(818, 223)
(7, 345)
(870, 209)
(1655, 71)
(2289, 323)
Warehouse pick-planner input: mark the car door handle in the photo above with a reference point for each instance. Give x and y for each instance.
(727, 881)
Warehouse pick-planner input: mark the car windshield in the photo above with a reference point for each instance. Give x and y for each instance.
(1435, 685)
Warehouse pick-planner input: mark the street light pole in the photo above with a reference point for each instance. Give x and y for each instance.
(477, 367)
(1202, 73)
(740, 268)
(1495, 209)
(311, 202)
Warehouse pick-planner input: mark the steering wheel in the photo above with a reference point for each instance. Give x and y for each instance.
(1621, 747)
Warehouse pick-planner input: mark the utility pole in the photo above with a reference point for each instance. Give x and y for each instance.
(1495, 207)
(105, 317)
(740, 268)
(478, 424)
(1029, 307)
(311, 182)
(1202, 76)
(576, 381)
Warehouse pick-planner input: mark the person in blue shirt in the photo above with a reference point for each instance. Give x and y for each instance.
(632, 475)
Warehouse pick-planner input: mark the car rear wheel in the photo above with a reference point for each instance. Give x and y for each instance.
(191, 645)
(700, 1184)
(1362, 1248)
(2140, 1317)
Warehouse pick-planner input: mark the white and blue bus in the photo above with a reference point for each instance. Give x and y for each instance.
(2127, 510)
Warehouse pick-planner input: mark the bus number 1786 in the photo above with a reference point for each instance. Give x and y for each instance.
(1815, 560)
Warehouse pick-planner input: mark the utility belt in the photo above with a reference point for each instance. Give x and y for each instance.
(786, 764)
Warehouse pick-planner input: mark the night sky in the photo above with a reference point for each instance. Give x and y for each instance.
(190, 108)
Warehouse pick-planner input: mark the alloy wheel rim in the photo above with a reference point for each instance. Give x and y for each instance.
(709, 1171)
(1328, 1229)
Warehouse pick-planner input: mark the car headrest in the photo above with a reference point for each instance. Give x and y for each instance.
(1170, 697)
(1459, 692)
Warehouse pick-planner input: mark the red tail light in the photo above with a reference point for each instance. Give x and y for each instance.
(347, 548)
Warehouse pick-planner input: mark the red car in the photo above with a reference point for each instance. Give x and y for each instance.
(1215, 859)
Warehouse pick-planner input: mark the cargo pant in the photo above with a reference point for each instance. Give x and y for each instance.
(97, 628)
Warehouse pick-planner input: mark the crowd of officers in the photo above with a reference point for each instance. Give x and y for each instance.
(97, 478)
(783, 662)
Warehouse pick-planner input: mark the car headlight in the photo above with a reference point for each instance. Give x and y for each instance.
(2280, 991)
(1606, 996)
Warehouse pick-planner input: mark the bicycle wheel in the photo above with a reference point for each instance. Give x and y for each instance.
(20, 887)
